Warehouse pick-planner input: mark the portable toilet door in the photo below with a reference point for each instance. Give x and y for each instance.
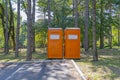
(72, 43)
(55, 43)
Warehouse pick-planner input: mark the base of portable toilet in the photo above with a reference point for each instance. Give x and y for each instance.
(55, 43)
(72, 43)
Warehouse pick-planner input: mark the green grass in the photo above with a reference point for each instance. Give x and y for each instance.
(38, 55)
(107, 68)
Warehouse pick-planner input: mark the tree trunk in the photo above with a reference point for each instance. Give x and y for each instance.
(17, 29)
(29, 30)
(49, 19)
(33, 31)
(86, 24)
(110, 27)
(76, 13)
(101, 28)
(11, 29)
(6, 29)
(95, 55)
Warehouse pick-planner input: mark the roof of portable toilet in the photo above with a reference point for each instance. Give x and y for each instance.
(55, 28)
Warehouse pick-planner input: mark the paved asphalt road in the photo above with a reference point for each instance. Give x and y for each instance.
(46, 70)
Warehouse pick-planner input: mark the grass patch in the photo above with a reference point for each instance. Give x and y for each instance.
(38, 55)
(107, 68)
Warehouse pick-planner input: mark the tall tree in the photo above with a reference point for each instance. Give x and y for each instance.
(33, 4)
(95, 55)
(110, 26)
(33, 31)
(6, 29)
(49, 14)
(11, 25)
(17, 29)
(101, 27)
(29, 30)
(76, 13)
(86, 17)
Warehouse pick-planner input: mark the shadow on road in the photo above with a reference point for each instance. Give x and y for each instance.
(59, 70)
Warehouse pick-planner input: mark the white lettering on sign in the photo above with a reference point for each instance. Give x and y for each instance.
(72, 36)
(54, 36)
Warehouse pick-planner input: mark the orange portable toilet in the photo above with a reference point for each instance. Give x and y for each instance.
(72, 43)
(55, 43)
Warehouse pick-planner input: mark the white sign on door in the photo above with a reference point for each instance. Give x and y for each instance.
(72, 36)
(54, 36)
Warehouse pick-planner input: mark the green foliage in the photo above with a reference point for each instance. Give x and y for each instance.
(1, 38)
(62, 16)
(41, 34)
(23, 34)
